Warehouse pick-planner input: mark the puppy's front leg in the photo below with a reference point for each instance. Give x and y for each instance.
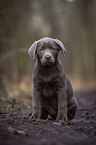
(36, 104)
(62, 105)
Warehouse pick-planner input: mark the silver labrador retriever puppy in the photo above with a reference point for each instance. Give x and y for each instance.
(52, 92)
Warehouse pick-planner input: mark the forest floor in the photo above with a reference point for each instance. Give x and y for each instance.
(16, 129)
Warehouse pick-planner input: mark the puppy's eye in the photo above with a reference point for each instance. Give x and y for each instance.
(52, 48)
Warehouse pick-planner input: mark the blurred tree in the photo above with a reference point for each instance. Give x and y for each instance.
(86, 37)
(71, 21)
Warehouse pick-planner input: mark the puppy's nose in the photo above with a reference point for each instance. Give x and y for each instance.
(47, 57)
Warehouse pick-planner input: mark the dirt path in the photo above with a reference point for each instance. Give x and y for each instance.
(16, 129)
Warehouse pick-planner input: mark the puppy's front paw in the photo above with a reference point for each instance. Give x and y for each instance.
(61, 117)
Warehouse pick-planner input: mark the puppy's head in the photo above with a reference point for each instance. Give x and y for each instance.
(46, 50)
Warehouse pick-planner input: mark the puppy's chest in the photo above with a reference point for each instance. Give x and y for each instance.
(48, 89)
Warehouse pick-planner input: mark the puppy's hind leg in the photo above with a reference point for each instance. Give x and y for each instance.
(72, 107)
(71, 100)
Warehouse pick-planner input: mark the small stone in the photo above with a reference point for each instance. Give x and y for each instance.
(57, 123)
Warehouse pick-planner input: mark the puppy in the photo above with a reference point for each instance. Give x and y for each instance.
(52, 93)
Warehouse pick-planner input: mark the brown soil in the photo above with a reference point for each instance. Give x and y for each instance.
(16, 129)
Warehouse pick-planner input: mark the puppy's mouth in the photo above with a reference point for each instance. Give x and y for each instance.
(48, 63)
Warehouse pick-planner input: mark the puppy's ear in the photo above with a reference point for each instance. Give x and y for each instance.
(62, 48)
(32, 50)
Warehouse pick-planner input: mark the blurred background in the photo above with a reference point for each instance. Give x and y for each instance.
(22, 22)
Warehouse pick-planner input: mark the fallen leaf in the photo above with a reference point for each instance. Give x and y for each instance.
(14, 131)
(11, 129)
(57, 123)
(22, 132)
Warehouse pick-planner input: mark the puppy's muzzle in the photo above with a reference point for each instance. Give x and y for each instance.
(47, 56)
(47, 59)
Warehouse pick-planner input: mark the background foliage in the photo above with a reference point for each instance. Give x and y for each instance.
(22, 22)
